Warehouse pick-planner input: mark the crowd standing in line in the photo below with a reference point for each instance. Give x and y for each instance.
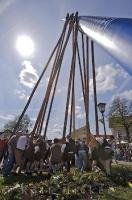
(29, 153)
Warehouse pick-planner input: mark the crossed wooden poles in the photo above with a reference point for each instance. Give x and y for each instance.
(80, 58)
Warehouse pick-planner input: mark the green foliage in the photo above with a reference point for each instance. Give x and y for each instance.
(121, 174)
(25, 124)
(66, 186)
(119, 193)
(120, 107)
(13, 193)
(120, 114)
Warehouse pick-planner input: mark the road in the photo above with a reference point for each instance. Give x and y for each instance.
(124, 163)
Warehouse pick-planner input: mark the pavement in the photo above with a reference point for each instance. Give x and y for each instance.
(124, 163)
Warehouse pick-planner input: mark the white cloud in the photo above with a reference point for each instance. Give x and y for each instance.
(22, 94)
(28, 76)
(80, 98)
(81, 116)
(7, 117)
(61, 89)
(79, 113)
(121, 71)
(33, 119)
(47, 79)
(106, 78)
(4, 4)
(55, 131)
(57, 126)
(77, 110)
(126, 94)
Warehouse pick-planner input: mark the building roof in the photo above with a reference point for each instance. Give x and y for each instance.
(81, 133)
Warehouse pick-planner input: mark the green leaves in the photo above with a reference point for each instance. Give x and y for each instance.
(65, 186)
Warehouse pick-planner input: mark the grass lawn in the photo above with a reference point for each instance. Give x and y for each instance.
(74, 185)
(119, 193)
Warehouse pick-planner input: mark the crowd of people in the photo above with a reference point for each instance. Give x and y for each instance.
(123, 153)
(29, 153)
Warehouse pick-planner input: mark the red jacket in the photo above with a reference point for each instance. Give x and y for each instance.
(3, 144)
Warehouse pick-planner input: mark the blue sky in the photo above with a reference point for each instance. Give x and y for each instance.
(41, 20)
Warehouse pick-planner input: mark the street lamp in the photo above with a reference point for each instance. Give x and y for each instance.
(101, 107)
(119, 137)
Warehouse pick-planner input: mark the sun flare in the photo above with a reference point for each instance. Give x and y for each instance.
(25, 45)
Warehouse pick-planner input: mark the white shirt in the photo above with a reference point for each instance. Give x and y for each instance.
(36, 149)
(22, 142)
(113, 143)
(47, 146)
(63, 148)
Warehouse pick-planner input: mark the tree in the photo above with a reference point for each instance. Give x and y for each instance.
(121, 112)
(25, 124)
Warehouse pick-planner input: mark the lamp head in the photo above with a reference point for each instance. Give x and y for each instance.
(101, 107)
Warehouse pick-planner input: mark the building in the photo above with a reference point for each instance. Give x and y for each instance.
(81, 133)
(118, 129)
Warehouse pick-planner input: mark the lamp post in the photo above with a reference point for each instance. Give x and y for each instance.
(101, 107)
(119, 137)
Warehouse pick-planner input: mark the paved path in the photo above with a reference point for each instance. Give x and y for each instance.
(124, 163)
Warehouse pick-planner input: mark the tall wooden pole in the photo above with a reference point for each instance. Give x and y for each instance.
(94, 88)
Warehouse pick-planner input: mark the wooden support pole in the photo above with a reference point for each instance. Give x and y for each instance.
(94, 88)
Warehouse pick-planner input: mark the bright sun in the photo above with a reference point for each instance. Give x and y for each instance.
(25, 45)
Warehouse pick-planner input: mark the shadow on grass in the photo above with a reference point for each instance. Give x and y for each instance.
(121, 174)
(120, 193)
(112, 197)
(12, 179)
